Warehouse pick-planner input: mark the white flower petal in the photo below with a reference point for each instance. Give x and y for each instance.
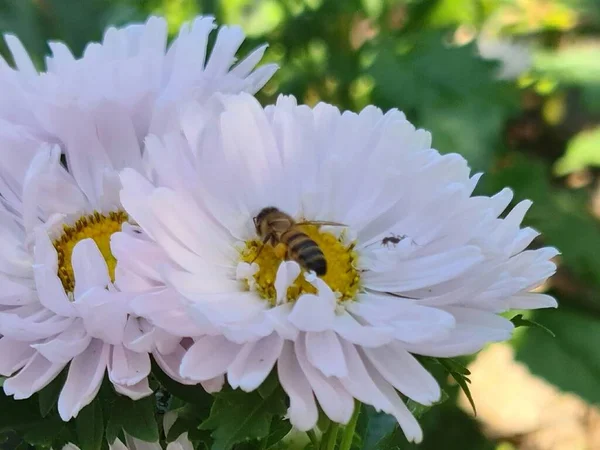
(303, 411)
(13, 355)
(89, 267)
(406, 420)
(335, 401)
(170, 364)
(324, 351)
(84, 379)
(49, 287)
(66, 345)
(36, 375)
(254, 363)
(134, 391)
(208, 357)
(287, 272)
(214, 384)
(405, 373)
(126, 367)
(104, 314)
(364, 335)
(314, 312)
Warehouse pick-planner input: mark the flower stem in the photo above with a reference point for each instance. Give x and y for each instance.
(330, 437)
(313, 438)
(349, 429)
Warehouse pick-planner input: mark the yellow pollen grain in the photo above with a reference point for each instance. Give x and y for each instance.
(96, 226)
(342, 277)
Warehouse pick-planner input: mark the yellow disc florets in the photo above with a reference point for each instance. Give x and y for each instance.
(96, 226)
(342, 276)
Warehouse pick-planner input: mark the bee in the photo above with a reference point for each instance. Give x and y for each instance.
(278, 228)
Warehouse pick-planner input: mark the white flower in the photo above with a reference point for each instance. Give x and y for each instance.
(61, 301)
(433, 287)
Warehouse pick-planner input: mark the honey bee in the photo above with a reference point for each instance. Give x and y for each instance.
(278, 228)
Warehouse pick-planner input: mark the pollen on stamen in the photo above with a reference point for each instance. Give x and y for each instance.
(96, 226)
(342, 276)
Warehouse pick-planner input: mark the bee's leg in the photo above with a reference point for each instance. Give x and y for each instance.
(266, 239)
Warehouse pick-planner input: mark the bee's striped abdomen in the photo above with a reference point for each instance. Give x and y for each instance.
(305, 251)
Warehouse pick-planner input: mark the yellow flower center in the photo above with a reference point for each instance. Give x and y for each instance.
(342, 277)
(96, 226)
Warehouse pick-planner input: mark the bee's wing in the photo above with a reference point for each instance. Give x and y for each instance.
(321, 222)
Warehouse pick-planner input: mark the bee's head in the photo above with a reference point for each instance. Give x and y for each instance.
(261, 216)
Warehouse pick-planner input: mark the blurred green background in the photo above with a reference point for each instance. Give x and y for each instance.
(513, 85)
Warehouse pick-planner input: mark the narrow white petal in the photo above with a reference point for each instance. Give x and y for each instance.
(324, 351)
(208, 357)
(408, 423)
(84, 379)
(287, 272)
(126, 367)
(89, 267)
(364, 335)
(13, 355)
(135, 391)
(254, 363)
(36, 375)
(313, 312)
(303, 411)
(66, 345)
(405, 373)
(335, 401)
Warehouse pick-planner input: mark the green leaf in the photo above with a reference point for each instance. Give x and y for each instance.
(18, 414)
(457, 372)
(571, 361)
(269, 385)
(238, 417)
(374, 427)
(48, 397)
(571, 65)
(466, 115)
(189, 416)
(45, 432)
(520, 321)
(89, 424)
(135, 418)
(278, 430)
(583, 150)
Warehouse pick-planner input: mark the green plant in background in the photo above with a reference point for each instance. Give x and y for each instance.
(538, 133)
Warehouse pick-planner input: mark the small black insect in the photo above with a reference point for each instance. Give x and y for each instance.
(392, 239)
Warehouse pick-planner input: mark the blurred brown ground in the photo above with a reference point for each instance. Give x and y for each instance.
(515, 406)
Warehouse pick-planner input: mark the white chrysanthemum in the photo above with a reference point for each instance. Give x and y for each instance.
(61, 301)
(434, 287)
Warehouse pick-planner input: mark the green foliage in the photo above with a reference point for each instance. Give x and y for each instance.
(520, 321)
(571, 361)
(89, 424)
(465, 117)
(136, 418)
(583, 151)
(237, 417)
(48, 397)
